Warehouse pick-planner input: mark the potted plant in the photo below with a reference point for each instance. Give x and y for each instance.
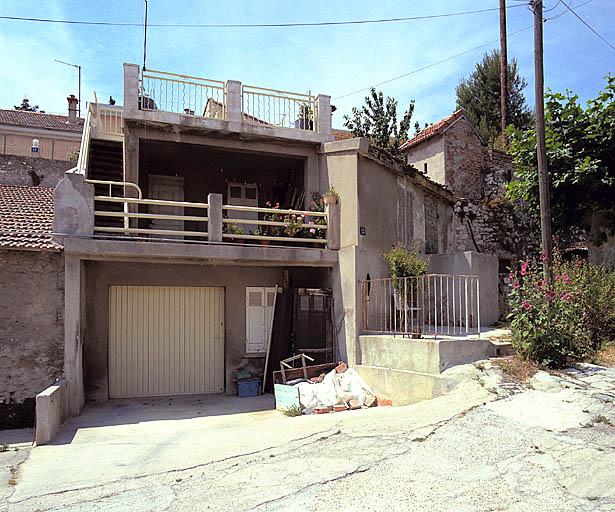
(305, 120)
(262, 231)
(273, 217)
(230, 228)
(404, 262)
(331, 196)
(317, 205)
(293, 224)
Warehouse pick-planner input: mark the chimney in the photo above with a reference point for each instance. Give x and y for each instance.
(72, 108)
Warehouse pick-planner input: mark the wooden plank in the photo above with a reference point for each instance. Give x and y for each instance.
(297, 373)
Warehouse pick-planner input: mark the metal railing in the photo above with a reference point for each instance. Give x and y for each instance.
(431, 304)
(108, 122)
(280, 229)
(279, 108)
(84, 150)
(275, 226)
(182, 94)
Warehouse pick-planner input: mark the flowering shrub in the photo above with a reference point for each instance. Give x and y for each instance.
(273, 216)
(292, 224)
(316, 205)
(565, 322)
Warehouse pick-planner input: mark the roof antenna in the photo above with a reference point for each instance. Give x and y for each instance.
(145, 37)
(79, 68)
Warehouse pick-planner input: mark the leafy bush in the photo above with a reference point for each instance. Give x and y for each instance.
(567, 322)
(405, 262)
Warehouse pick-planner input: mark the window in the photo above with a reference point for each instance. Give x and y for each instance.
(259, 312)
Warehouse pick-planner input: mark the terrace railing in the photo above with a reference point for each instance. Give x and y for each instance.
(182, 94)
(431, 304)
(273, 228)
(279, 108)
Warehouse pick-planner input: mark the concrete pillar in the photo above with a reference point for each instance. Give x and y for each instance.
(73, 207)
(233, 101)
(131, 89)
(333, 226)
(131, 170)
(73, 342)
(323, 114)
(214, 213)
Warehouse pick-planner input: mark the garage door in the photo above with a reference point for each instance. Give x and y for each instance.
(165, 340)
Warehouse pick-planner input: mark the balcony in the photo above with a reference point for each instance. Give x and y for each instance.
(141, 227)
(224, 106)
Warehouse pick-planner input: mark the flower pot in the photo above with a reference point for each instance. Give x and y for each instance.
(330, 200)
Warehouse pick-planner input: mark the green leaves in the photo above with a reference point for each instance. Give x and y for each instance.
(377, 119)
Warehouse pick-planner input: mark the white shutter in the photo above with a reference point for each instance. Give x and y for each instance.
(259, 309)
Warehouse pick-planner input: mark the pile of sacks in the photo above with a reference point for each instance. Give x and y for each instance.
(340, 389)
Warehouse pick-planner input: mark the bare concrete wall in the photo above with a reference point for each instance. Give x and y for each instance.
(29, 171)
(31, 330)
(234, 279)
(430, 152)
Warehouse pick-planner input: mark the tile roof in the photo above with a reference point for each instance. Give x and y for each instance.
(26, 218)
(433, 129)
(38, 120)
(342, 134)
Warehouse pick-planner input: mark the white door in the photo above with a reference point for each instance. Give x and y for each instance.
(167, 188)
(259, 311)
(243, 194)
(165, 340)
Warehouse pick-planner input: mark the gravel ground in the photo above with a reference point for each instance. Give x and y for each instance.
(551, 448)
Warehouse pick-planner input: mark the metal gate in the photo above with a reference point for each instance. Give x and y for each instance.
(165, 340)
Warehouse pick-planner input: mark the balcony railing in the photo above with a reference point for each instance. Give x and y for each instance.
(431, 304)
(182, 94)
(274, 226)
(279, 108)
(107, 122)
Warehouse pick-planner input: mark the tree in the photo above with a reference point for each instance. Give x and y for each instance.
(479, 95)
(581, 161)
(25, 105)
(377, 119)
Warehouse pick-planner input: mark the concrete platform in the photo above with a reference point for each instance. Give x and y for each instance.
(408, 370)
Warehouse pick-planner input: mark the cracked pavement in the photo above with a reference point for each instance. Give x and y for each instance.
(484, 447)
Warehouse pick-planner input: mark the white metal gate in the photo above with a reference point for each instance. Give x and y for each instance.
(165, 340)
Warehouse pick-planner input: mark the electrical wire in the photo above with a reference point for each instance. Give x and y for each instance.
(587, 24)
(257, 25)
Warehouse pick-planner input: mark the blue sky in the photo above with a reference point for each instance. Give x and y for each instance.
(333, 60)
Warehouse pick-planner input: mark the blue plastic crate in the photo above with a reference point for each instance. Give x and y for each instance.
(247, 387)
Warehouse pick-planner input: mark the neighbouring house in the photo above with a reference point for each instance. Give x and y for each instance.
(184, 216)
(41, 136)
(453, 153)
(32, 305)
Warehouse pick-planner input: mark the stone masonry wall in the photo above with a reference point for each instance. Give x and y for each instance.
(465, 160)
(31, 330)
(29, 171)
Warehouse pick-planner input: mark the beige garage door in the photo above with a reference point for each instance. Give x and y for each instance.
(165, 340)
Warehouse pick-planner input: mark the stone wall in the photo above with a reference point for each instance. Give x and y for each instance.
(29, 171)
(31, 330)
(465, 160)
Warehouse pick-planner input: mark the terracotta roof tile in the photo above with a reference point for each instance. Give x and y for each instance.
(342, 134)
(38, 120)
(432, 130)
(26, 218)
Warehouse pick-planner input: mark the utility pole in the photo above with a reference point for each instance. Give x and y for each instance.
(541, 145)
(503, 70)
(145, 37)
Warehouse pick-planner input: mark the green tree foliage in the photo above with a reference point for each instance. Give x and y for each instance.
(25, 105)
(377, 119)
(480, 95)
(580, 157)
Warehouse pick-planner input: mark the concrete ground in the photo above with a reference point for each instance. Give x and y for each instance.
(486, 446)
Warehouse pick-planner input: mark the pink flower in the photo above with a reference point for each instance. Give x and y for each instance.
(286, 225)
(312, 203)
(523, 268)
(557, 278)
(578, 292)
(565, 279)
(516, 285)
(527, 305)
(510, 276)
(585, 314)
(321, 200)
(312, 230)
(579, 263)
(543, 256)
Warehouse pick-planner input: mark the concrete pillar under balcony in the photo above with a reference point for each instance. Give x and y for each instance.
(333, 226)
(131, 169)
(131, 89)
(233, 101)
(73, 339)
(214, 213)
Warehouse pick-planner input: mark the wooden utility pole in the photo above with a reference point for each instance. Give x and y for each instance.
(503, 70)
(541, 145)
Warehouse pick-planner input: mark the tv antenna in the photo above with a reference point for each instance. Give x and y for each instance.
(79, 68)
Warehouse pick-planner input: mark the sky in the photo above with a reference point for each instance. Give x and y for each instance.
(335, 60)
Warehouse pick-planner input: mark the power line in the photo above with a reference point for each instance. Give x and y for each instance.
(257, 25)
(448, 58)
(586, 24)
